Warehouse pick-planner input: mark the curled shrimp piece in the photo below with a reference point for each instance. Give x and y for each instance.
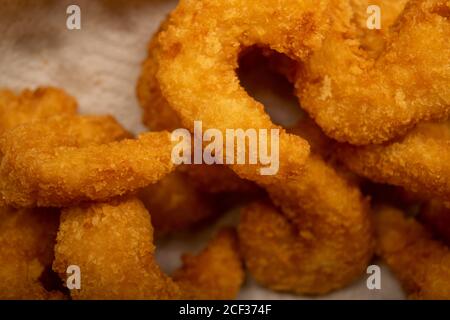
(319, 236)
(284, 258)
(112, 243)
(360, 99)
(420, 262)
(27, 238)
(197, 74)
(417, 162)
(66, 160)
(159, 115)
(188, 197)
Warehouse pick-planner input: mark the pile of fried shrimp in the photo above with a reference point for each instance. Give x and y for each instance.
(364, 173)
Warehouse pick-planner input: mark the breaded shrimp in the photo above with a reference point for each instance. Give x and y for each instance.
(64, 160)
(319, 238)
(360, 99)
(112, 243)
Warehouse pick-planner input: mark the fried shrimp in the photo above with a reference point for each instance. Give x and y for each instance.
(27, 237)
(187, 197)
(113, 244)
(359, 99)
(197, 74)
(61, 161)
(421, 263)
(321, 239)
(417, 162)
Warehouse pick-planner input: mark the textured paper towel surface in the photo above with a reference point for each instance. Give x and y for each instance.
(99, 65)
